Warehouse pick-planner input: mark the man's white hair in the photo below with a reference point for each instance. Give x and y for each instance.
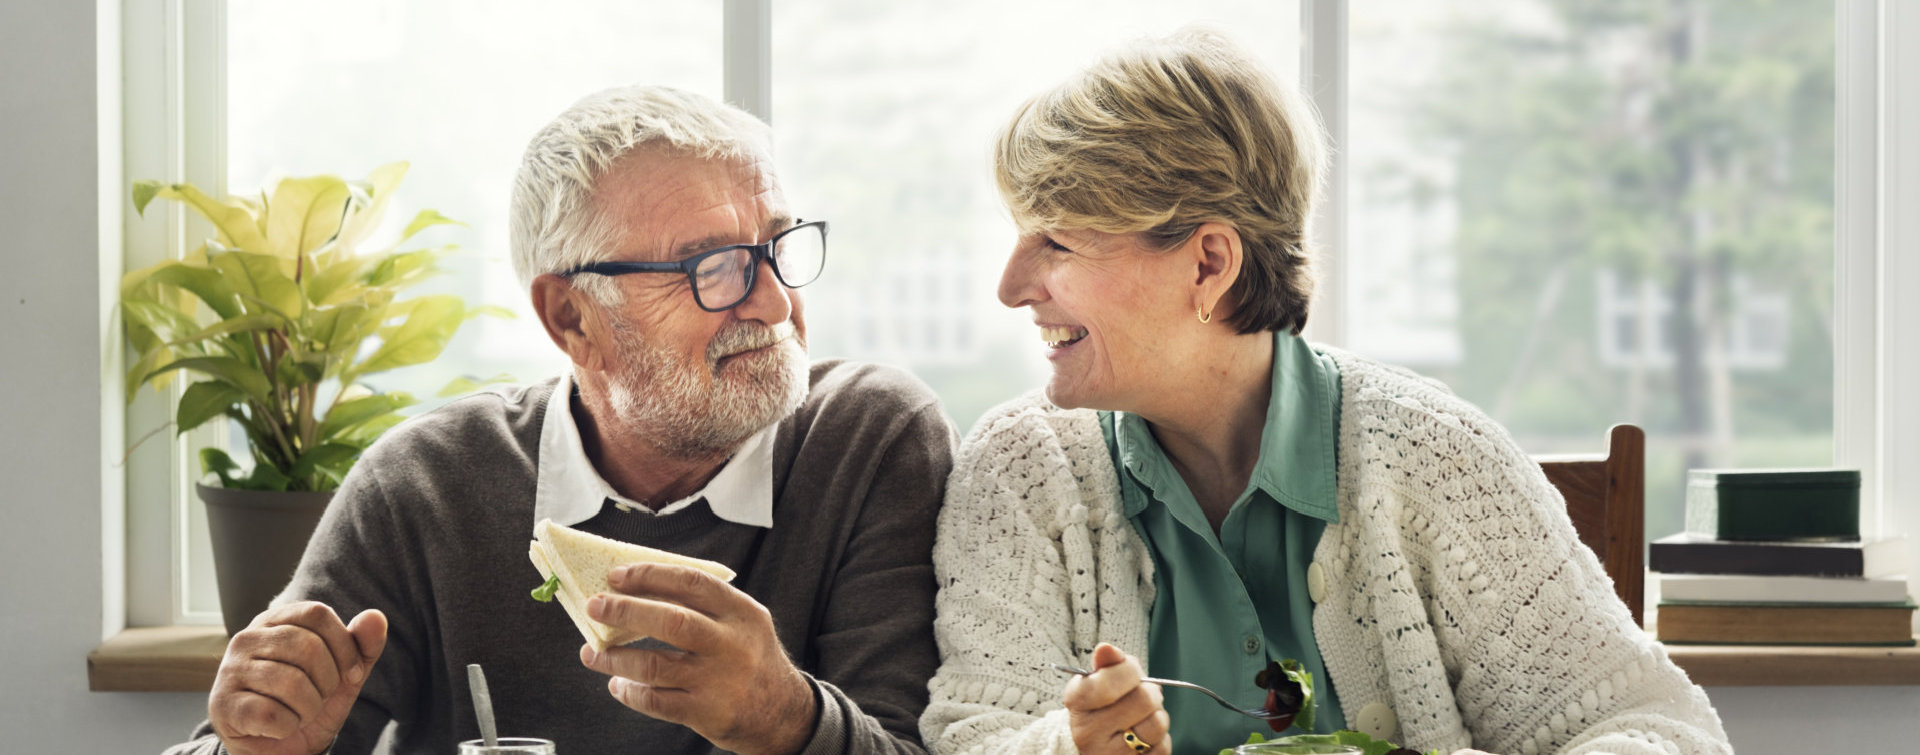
(554, 225)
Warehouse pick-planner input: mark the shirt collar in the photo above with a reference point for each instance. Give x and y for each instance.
(1297, 444)
(569, 490)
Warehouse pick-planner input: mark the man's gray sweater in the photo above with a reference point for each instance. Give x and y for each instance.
(432, 527)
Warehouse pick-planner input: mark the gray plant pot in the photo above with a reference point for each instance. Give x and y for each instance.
(258, 536)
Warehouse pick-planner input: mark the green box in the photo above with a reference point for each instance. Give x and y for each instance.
(1774, 504)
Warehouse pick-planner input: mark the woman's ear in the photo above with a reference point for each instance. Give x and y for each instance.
(1217, 253)
(566, 315)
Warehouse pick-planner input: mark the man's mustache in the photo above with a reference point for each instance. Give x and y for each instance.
(742, 337)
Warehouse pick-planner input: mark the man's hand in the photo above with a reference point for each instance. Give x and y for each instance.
(1104, 705)
(733, 684)
(289, 679)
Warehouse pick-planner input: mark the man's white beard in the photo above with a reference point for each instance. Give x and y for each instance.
(690, 410)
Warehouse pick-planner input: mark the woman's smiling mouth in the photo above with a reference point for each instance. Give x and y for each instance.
(1058, 337)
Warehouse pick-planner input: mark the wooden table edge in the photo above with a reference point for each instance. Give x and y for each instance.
(184, 659)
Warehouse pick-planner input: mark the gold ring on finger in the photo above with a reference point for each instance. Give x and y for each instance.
(1134, 741)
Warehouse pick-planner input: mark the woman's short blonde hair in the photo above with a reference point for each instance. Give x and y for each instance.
(1168, 134)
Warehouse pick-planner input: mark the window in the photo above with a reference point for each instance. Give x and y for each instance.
(1522, 234)
(1576, 214)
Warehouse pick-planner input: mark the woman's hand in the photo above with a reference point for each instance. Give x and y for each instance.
(1104, 705)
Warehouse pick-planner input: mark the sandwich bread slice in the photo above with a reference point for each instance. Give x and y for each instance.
(580, 560)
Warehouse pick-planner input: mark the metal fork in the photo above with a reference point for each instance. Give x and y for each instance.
(1259, 713)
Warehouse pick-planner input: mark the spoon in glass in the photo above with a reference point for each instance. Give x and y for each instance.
(482, 704)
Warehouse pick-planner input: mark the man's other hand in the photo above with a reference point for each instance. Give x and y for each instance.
(289, 679)
(731, 681)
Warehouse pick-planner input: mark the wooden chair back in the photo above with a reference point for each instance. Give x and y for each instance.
(1607, 501)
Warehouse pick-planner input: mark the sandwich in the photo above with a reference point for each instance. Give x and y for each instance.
(575, 566)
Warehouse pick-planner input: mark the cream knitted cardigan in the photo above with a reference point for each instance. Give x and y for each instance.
(1457, 594)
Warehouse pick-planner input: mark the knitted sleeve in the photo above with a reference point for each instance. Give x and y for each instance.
(1540, 654)
(1006, 601)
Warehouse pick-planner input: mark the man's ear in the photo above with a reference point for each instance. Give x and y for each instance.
(567, 315)
(1217, 254)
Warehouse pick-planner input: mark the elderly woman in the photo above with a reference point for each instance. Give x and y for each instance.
(1203, 489)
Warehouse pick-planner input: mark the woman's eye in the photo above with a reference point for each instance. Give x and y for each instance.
(1056, 247)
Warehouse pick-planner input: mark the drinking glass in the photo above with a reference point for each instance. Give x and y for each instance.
(509, 746)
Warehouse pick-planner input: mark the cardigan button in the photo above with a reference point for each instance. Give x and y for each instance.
(1377, 720)
(1316, 582)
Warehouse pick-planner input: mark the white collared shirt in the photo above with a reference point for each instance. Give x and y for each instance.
(569, 490)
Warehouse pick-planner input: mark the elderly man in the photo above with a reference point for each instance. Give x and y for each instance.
(661, 257)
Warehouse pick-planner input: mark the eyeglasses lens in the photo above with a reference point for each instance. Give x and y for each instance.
(800, 255)
(721, 279)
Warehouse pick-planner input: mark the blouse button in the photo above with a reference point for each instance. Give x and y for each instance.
(1377, 720)
(1252, 644)
(1316, 582)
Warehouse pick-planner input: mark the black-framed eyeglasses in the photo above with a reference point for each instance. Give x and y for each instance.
(724, 277)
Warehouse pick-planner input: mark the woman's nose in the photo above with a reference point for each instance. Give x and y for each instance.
(1019, 286)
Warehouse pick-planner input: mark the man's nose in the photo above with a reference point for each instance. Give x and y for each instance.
(769, 301)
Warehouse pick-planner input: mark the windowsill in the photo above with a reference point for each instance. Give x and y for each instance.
(183, 659)
(157, 659)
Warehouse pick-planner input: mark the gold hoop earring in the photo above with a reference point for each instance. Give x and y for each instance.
(1205, 316)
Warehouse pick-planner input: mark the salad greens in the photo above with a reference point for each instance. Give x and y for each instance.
(1289, 690)
(1367, 744)
(544, 593)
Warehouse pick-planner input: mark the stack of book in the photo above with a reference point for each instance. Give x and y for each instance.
(1774, 557)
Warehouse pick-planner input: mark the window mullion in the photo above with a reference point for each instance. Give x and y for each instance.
(1323, 76)
(747, 56)
(1856, 250)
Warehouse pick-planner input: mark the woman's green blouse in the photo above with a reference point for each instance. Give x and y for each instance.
(1225, 605)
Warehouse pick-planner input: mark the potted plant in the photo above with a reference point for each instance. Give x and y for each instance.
(276, 322)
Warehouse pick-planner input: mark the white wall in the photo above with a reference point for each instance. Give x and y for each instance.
(50, 449)
(50, 408)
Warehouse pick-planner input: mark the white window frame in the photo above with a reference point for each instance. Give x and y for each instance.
(172, 57)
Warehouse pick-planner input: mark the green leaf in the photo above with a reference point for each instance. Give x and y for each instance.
(225, 369)
(144, 370)
(431, 322)
(365, 433)
(370, 203)
(344, 415)
(203, 401)
(299, 368)
(544, 593)
(404, 269)
(259, 278)
(307, 213)
(333, 275)
(143, 193)
(236, 225)
(206, 283)
(241, 324)
(1303, 719)
(165, 322)
(266, 477)
(330, 459)
(491, 310)
(464, 384)
(426, 219)
(214, 461)
(339, 330)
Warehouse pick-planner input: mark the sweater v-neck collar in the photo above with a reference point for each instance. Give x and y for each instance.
(569, 490)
